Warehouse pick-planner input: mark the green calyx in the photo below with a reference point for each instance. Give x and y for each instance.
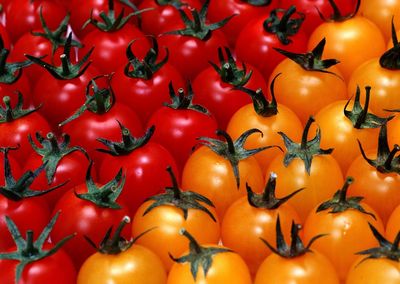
(340, 202)
(146, 68)
(267, 199)
(8, 113)
(296, 247)
(128, 143)
(100, 102)
(57, 37)
(337, 15)
(104, 196)
(261, 105)
(111, 22)
(386, 160)
(386, 249)
(178, 198)
(359, 116)
(198, 256)
(28, 250)
(229, 71)
(233, 151)
(311, 61)
(391, 58)
(176, 3)
(67, 70)
(182, 101)
(305, 150)
(52, 151)
(258, 3)
(10, 72)
(198, 27)
(286, 26)
(17, 190)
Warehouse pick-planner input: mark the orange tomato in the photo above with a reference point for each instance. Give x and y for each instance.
(393, 224)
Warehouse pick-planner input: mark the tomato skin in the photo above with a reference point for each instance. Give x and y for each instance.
(166, 222)
(347, 232)
(244, 225)
(324, 180)
(308, 268)
(227, 267)
(306, 92)
(220, 98)
(392, 226)
(57, 266)
(211, 175)
(384, 85)
(135, 265)
(366, 42)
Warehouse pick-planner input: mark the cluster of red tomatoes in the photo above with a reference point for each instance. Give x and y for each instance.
(199, 141)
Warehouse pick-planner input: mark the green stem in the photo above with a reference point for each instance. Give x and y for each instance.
(65, 65)
(305, 133)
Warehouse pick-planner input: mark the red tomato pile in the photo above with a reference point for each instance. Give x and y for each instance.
(199, 141)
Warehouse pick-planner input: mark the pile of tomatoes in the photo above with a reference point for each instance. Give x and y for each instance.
(199, 141)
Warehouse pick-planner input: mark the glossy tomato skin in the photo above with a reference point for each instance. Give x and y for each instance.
(137, 264)
(23, 16)
(347, 232)
(191, 55)
(220, 98)
(146, 96)
(164, 18)
(85, 219)
(255, 46)
(57, 266)
(227, 267)
(308, 268)
(166, 221)
(140, 168)
(392, 226)
(244, 225)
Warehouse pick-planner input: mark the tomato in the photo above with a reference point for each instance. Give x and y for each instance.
(282, 29)
(220, 170)
(392, 226)
(345, 221)
(208, 264)
(34, 261)
(306, 165)
(142, 160)
(253, 217)
(217, 87)
(142, 84)
(308, 83)
(165, 214)
(121, 261)
(366, 40)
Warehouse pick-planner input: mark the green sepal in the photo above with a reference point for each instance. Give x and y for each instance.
(311, 61)
(67, 70)
(198, 256)
(28, 250)
(104, 196)
(305, 150)
(182, 101)
(146, 68)
(359, 116)
(268, 199)
(198, 27)
(56, 37)
(286, 26)
(341, 203)
(337, 15)
(296, 248)
(258, 3)
(17, 190)
(8, 113)
(178, 198)
(229, 71)
(261, 105)
(386, 249)
(391, 58)
(176, 3)
(233, 151)
(100, 102)
(52, 151)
